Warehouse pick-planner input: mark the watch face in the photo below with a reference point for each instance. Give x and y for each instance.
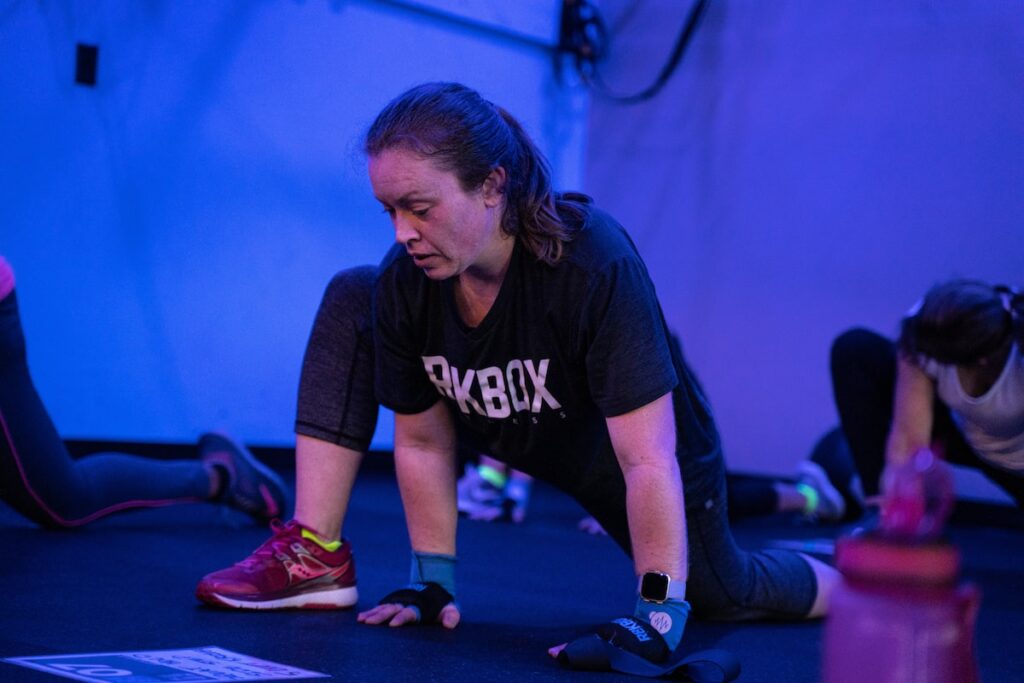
(654, 587)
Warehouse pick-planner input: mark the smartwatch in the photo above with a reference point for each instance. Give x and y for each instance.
(654, 586)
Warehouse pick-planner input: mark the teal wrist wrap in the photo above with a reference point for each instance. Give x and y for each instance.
(433, 567)
(668, 618)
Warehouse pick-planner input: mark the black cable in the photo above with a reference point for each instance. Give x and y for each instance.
(582, 34)
(585, 35)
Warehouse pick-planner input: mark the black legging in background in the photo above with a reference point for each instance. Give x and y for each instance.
(863, 380)
(750, 496)
(753, 496)
(38, 477)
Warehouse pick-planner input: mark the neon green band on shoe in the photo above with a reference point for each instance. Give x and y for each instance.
(811, 495)
(492, 476)
(329, 546)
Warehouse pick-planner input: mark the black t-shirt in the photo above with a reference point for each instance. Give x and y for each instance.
(561, 349)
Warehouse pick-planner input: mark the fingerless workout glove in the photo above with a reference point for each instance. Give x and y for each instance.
(428, 599)
(431, 586)
(667, 618)
(636, 636)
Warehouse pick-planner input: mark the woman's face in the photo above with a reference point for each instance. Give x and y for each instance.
(445, 229)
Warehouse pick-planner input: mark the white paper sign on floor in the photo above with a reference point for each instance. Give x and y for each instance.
(195, 665)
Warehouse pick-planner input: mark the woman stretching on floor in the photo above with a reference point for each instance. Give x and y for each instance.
(522, 323)
(955, 379)
(40, 480)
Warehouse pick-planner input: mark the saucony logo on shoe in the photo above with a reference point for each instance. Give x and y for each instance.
(304, 565)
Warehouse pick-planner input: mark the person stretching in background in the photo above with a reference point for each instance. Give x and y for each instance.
(953, 380)
(42, 482)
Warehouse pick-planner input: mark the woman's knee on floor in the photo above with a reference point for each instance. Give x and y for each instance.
(768, 584)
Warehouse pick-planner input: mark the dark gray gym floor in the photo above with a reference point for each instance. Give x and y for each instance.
(126, 583)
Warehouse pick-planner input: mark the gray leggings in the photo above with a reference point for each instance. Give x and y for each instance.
(337, 404)
(336, 399)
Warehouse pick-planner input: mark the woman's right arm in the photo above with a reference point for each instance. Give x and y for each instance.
(913, 405)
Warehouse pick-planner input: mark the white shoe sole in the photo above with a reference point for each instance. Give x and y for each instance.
(339, 598)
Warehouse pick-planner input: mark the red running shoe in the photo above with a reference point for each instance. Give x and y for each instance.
(289, 571)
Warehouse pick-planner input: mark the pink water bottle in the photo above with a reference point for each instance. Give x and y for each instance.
(900, 613)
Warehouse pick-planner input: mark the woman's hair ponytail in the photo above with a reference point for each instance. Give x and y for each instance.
(959, 322)
(531, 212)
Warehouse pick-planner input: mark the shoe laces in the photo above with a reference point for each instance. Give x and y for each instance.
(270, 549)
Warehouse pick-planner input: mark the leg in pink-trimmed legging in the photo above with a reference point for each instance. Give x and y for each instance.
(40, 480)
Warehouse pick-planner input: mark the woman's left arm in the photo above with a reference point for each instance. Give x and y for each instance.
(645, 445)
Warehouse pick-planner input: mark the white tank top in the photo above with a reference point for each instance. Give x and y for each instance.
(992, 423)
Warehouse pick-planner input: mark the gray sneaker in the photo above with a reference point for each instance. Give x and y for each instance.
(478, 498)
(249, 485)
(830, 506)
